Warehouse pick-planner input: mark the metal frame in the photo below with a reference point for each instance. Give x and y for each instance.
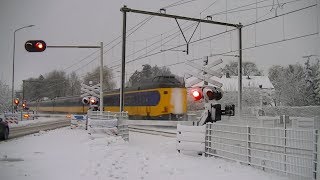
(125, 9)
(286, 152)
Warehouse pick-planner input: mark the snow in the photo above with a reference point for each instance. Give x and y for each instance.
(66, 154)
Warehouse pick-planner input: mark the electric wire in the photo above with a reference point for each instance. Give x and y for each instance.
(250, 24)
(137, 26)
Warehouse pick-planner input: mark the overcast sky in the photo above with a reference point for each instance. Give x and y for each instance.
(81, 22)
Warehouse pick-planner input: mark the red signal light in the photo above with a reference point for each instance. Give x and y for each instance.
(16, 101)
(196, 94)
(93, 100)
(39, 45)
(35, 46)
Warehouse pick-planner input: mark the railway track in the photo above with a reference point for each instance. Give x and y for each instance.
(35, 128)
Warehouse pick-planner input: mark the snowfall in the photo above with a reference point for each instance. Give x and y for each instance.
(67, 154)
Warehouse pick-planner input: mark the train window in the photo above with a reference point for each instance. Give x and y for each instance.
(165, 92)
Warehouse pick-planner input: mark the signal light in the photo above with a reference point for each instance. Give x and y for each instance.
(35, 45)
(212, 93)
(16, 101)
(86, 100)
(93, 101)
(196, 94)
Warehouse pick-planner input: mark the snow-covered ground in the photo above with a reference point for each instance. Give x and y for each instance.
(66, 154)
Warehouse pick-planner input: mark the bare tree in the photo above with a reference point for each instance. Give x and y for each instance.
(74, 85)
(94, 76)
(249, 69)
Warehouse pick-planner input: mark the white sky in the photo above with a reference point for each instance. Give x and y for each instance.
(66, 154)
(80, 22)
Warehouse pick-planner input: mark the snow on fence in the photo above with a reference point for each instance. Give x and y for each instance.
(290, 152)
(113, 123)
(190, 139)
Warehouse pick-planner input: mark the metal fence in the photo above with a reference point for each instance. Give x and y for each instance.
(121, 117)
(290, 152)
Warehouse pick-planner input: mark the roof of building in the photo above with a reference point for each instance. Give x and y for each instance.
(231, 83)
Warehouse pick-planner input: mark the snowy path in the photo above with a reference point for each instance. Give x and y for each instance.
(66, 154)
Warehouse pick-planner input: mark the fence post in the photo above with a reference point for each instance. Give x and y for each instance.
(316, 155)
(206, 142)
(208, 146)
(249, 144)
(285, 117)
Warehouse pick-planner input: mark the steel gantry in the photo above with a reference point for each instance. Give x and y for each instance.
(125, 9)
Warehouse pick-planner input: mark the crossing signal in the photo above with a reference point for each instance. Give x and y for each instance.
(86, 100)
(212, 93)
(94, 101)
(16, 101)
(196, 93)
(35, 45)
(24, 105)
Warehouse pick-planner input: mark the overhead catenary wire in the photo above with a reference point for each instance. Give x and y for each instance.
(226, 31)
(141, 57)
(250, 24)
(134, 28)
(174, 4)
(250, 4)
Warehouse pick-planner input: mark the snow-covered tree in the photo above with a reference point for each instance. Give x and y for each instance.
(94, 76)
(148, 72)
(248, 68)
(5, 97)
(309, 82)
(317, 83)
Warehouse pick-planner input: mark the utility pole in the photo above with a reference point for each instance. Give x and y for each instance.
(205, 63)
(123, 63)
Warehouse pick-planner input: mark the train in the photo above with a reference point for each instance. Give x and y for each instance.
(162, 97)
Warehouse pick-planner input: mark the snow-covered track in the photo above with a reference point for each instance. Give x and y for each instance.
(35, 128)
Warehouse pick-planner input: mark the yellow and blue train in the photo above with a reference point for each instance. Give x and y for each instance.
(163, 97)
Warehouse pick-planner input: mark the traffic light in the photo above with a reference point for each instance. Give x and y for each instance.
(16, 101)
(35, 45)
(196, 93)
